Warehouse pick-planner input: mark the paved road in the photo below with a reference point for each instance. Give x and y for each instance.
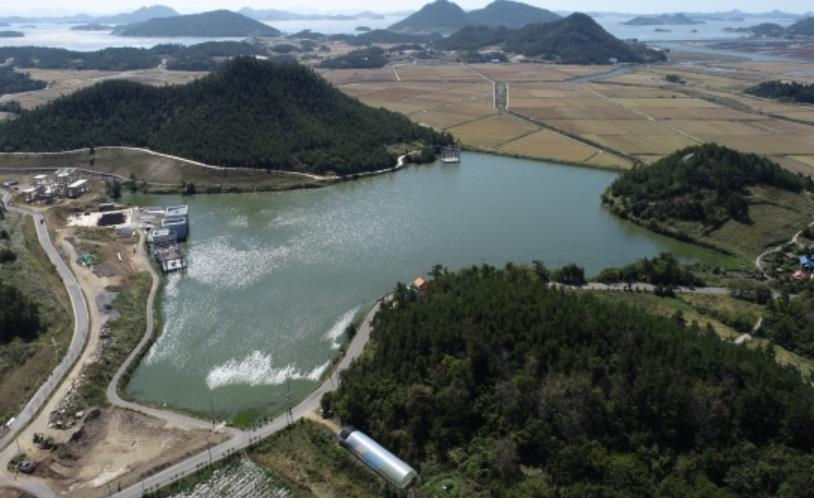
(80, 335)
(112, 392)
(244, 438)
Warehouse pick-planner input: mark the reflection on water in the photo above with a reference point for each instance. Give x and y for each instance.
(275, 278)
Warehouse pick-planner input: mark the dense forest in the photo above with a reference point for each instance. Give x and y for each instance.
(790, 323)
(664, 269)
(19, 316)
(109, 59)
(200, 57)
(473, 38)
(520, 390)
(13, 82)
(365, 58)
(249, 113)
(707, 184)
(784, 91)
(210, 24)
(577, 39)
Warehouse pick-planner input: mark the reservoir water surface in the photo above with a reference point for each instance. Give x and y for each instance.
(275, 278)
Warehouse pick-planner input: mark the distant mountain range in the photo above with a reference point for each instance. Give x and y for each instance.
(282, 15)
(803, 27)
(577, 39)
(445, 17)
(138, 15)
(663, 20)
(208, 24)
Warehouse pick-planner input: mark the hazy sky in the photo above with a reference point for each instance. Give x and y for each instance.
(58, 7)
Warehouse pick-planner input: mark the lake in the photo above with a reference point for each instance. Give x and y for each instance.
(275, 278)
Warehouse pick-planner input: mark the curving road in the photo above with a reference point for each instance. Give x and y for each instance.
(80, 335)
(243, 439)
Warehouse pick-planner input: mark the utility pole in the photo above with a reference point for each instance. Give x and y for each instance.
(212, 411)
(290, 415)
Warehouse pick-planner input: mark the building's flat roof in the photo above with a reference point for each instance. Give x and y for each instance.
(78, 183)
(29, 190)
(41, 177)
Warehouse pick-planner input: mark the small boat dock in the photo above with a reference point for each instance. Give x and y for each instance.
(451, 155)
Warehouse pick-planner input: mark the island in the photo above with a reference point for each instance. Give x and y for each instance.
(208, 24)
(663, 20)
(11, 34)
(91, 27)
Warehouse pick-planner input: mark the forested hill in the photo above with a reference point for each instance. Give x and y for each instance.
(509, 388)
(663, 20)
(510, 15)
(577, 39)
(207, 24)
(706, 184)
(249, 113)
(444, 16)
(438, 16)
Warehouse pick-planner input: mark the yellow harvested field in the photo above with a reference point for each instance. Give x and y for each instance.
(774, 145)
(580, 110)
(669, 113)
(546, 143)
(797, 164)
(341, 76)
(492, 131)
(536, 72)
(441, 120)
(678, 103)
(644, 145)
(713, 127)
(436, 72)
(605, 160)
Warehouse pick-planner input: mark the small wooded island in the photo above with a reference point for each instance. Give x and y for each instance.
(249, 113)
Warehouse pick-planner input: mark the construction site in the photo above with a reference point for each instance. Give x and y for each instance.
(63, 183)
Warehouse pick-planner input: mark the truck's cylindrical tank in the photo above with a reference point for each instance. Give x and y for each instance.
(376, 457)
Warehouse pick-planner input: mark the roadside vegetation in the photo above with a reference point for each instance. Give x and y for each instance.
(35, 318)
(521, 389)
(125, 333)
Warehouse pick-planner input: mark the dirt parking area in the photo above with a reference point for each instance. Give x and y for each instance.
(117, 448)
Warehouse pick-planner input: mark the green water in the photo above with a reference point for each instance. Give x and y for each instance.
(274, 278)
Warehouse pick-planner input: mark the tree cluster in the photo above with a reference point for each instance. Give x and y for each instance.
(663, 270)
(19, 316)
(527, 390)
(784, 91)
(790, 323)
(250, 113)
(13, 82)
(365, 58)
(705, 184)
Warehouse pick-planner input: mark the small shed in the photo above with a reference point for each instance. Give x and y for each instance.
(77, 188)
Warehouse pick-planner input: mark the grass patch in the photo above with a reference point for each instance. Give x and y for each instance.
(25, 365)
(160, 174)
(307, 455)
(127, 331)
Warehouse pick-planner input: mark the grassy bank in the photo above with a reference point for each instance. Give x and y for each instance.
(25, 365)
(308, 456)
(126, 332)
(159, 174)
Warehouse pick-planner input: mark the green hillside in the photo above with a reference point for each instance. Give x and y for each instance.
(208, 24)
(577, 39)
(495, 385)
(249, 113)
(510, 14)
(438, 16)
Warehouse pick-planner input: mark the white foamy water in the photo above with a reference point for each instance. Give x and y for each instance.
(335, 332)
(256, 370)
(217, 263)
